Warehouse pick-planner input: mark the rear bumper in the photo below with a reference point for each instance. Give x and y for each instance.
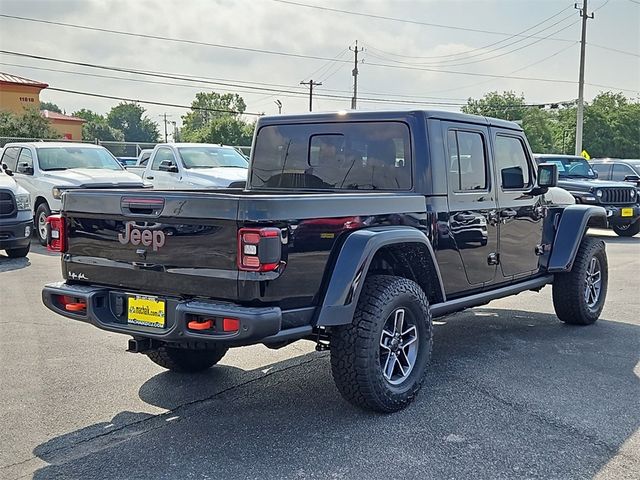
(15, 233)
(615, 217)
(105, 310)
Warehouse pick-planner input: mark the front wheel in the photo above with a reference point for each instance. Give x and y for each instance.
(186, 360)
(628, 230)
(379, 360)
(42, 212)
(579, 295)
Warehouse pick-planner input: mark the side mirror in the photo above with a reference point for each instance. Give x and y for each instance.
(548, 175)
(168, 166)
(7, 170)
(632, 178)
(25, 168)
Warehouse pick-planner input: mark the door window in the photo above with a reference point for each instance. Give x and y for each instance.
(467, 161)
(25, 158)
(603, 169)
(162, 155)
(513, 166)
(10, 157)
(620, 170)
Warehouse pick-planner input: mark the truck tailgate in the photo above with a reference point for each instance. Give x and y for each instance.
(153, 241)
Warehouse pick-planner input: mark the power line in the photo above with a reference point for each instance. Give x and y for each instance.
(151, 102)
(402, 20)
(466, 52)
(402, 67)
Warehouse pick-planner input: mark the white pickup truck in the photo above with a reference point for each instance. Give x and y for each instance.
(175, 166)
(45, 170)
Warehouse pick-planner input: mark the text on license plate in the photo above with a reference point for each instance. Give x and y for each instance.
(146, 311)
(626, 212)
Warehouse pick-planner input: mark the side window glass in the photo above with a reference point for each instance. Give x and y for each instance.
(25, 157)
(511, 160)
(603, 169)
(468, 163)
(10, 157)
(162, 155)
(620, 171)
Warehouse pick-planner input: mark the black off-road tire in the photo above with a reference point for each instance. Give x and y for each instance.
(185, 360)
(627, 230)
(355, 348)
(18, 252)
(42, 210)
(569, 300)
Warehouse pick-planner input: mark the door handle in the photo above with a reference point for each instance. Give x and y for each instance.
(149, 178)
(508, 213)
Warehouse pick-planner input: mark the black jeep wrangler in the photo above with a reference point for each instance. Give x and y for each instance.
(354, 230)
(619, 199)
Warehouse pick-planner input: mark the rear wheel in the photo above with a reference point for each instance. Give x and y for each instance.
(379, 361)
(185, 360)
(628, 230)
(18, 252)
(42, 212)
(579, 295)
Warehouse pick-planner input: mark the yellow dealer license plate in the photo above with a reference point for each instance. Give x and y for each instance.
(146, 311)
(627, 212)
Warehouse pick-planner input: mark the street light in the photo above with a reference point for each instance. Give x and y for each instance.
(279, 104)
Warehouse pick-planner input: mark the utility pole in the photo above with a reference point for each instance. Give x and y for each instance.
(164, 116)
(311, 84)
(354, 72)
(583, 41)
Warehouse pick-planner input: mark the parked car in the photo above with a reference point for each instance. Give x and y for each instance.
(141, 162)
(351, 232)
(619, 199)
(618, 169)
(16, 219)
(194, 165)
(47, 170)
(127, 161)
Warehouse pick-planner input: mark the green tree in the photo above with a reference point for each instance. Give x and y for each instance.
(612, 127)
(506, 105)
(96, 127)
(538, 127)
(52, 107)
(225, 130)
(130, 120)
(217, 118)
(29, 124)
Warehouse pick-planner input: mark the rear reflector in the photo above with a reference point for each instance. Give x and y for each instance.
(230, 325)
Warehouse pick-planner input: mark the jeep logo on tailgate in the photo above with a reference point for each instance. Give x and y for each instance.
(146, 237)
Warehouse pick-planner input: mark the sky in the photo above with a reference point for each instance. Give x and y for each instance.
(417, 54)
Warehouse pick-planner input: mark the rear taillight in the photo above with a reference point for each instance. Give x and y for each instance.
(56, 234)
(259, 249)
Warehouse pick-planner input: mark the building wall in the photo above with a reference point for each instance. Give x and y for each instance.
(15, 98)
(68, 129)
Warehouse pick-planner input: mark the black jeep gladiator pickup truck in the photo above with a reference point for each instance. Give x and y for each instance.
(354, 230)
(619, 199)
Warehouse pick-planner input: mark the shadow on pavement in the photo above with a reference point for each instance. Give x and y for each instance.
(9, 264)
(509, 394)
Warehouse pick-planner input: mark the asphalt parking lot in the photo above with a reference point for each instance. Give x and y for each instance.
(512, 393)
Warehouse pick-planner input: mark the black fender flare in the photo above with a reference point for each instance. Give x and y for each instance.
(569, 233)
(351, 266)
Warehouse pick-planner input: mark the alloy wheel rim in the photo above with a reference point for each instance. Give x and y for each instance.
(42, 225)
(593, 285)
(398, 346)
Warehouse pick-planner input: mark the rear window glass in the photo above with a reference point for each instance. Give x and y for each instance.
(333, 156)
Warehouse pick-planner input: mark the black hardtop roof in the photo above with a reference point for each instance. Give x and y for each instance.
(382, 115)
